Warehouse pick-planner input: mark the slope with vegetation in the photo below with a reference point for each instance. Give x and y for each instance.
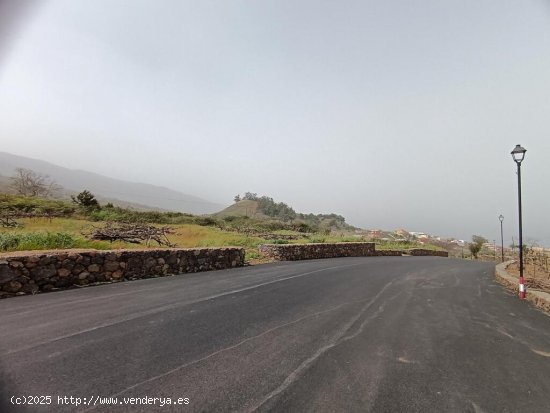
(265, 208)
(31, 223)
(105, 189)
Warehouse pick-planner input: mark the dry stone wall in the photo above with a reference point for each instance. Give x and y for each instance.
(388, 253)
(293, 252)
(421, 251)
(39, 271)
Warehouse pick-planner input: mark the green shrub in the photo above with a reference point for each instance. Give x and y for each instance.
(36, 241)
(206, 221)
(32, 205)
(9, 242)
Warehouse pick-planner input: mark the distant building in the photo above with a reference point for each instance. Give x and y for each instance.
(419, 234)
(402, 233)
(375, 234)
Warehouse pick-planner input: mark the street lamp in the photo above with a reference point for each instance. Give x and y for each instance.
(518, 154)
(501, 218)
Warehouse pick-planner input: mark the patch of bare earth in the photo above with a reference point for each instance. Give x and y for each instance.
(536, 276)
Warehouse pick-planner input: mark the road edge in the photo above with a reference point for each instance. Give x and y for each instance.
(539, 298)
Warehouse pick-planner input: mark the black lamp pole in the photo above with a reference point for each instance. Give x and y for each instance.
(518, 154)
(501, 218)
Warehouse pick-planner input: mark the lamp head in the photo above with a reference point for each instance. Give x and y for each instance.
(518, 153)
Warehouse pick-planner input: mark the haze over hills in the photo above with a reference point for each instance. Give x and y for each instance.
(144, 195)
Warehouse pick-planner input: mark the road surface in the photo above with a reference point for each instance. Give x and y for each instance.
(382, 334)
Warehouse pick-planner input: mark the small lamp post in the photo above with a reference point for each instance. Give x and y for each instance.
(518, 154)
(501, 218)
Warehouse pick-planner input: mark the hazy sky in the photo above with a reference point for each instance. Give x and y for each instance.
(391, 113)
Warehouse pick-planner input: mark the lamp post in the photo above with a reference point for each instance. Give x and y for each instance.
(518, 154)
(501, 218)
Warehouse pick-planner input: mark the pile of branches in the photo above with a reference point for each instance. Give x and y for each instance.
(132, 233)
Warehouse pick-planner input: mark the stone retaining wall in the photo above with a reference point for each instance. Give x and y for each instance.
(388, 253)
(420, 251)
(38, 271)
(293, 252)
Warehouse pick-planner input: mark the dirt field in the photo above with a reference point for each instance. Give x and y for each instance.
(535, 272)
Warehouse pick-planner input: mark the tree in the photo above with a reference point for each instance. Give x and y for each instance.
(476, 244)
(86, 200)
(479, 239)
(30, 183)
(237, 198)
(474, 249)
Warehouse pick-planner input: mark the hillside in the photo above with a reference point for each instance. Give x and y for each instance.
(63, 194)
(265, 208)
(34, 223)
(244, 208)
(145, 196)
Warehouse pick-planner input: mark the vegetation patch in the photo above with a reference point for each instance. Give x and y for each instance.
(36, 241)
(59, 224)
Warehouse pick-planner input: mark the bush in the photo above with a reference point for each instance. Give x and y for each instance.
(36, 241)
(36, 206)
(476, 245)
(206, 221)
(86, 200)
(9, 242)
(474, 249)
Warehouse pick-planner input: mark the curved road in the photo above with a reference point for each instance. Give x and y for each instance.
(383, 334)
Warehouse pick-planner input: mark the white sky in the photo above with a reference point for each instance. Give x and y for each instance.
(391, 113)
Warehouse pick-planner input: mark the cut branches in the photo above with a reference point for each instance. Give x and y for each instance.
(132, 233)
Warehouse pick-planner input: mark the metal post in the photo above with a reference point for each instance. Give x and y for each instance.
(521, 279)
(501, 218)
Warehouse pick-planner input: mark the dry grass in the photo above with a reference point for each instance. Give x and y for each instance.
(185, 236)
(536, 276)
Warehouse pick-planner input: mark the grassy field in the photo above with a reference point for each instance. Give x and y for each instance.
(43, 233)
(67, 225)
(185, 236)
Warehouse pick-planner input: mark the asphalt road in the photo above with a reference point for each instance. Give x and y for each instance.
(383, 334)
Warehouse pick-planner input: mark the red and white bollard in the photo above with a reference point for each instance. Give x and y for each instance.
(522, 289)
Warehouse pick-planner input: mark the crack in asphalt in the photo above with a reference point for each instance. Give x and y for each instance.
(337, 339)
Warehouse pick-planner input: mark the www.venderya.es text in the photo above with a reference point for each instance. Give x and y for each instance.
(98, 401)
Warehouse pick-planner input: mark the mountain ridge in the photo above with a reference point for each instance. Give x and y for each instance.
(75, 180)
